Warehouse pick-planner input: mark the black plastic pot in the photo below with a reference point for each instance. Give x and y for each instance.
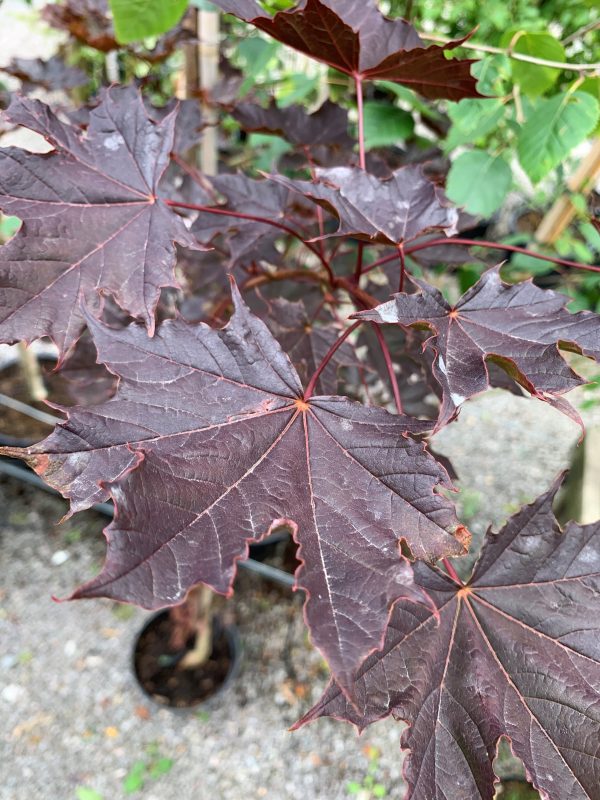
(269, 546)
(184, 690)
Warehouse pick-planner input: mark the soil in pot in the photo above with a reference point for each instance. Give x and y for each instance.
(157, 666)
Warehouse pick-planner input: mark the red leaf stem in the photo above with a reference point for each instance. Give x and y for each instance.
(252, 218)
(327, 358)
(380, 262)
(402, 267)
(390, 368)
(362, 162)
(496, 246)
(451, 571)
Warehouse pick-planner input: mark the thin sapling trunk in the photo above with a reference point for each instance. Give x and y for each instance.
(193, 619)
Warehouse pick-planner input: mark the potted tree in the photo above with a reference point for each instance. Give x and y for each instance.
(219, 434)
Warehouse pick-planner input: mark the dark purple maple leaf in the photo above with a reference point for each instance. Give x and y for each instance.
(88, 383)
(189, 122)
(86, 20)
(449, 254)
(514, 652)
(327, 126)
(306, 341)
(249, 240)
(92, 219)
(205, 282)
(519, 327)
(412, 365)
(167, 44)
(388, 211)
(354, 37)
(225, 93)
(209, 444)
(50, 75)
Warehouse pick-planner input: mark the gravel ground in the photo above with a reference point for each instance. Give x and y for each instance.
(73, 716)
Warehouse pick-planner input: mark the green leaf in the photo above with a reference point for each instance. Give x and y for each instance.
(591, 235)
(138, 19)
(517, 790)
(379, 790)
(521, 262)
(295, 89)
(273, 6)
(534, 79)
(472, 120)
(493, 75)
(267, 150)
(467, 276)
(8, 227)
(134, 779)
(353, 787)
(410, 97)
(592, 86)
(85, 793)
(479, 182)
(256, 53)
(559, 125)
(386, 125)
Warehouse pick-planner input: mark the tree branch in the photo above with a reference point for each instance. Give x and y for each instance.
(542, 62)
(327, 358)
(252, 218)
(591, 26)
(389, 366)
(496, 246)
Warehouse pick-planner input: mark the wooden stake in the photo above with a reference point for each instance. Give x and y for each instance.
(208, 62)
(187, 81)
(579, 499)
(562, 212)
(111, 63)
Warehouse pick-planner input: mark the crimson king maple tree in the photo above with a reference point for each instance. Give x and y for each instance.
(209, 436)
